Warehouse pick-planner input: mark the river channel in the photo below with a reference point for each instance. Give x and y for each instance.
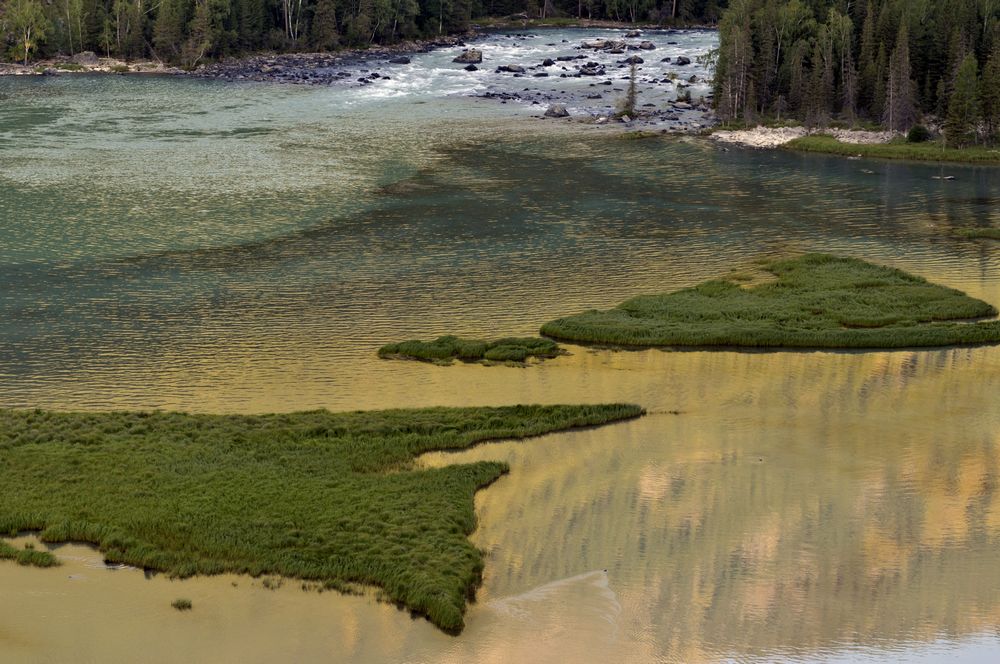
(215, 246)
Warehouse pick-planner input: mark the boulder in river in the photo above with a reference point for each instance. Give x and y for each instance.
(556, 111)
(548, 62)
(469, 56)
(631, 34)
(401, 60)
(470, 68)
(513, 69)
(633, 60)
(647, 46)
(682, 60)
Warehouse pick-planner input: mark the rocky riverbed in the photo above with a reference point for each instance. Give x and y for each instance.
(576, 75)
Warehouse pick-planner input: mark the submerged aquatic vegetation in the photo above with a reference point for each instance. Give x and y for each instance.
(445, 349)
(334, 498)
(27, 556)
(817, 301)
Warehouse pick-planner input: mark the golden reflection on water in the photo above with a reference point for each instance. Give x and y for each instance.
(785, 505)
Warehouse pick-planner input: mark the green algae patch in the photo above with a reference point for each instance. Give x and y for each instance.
(444, 350)
(978, 233)
(331, 498)
(816, 301)
(28, 556)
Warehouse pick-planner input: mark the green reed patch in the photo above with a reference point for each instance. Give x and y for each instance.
(978, 233)
(182, 604)
(445, 349)
(27, 556)
(333, 498)
(817, 301)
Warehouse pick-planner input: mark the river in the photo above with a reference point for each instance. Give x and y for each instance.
(242, 247)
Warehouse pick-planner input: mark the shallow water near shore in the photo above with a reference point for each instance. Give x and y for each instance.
(214, 247)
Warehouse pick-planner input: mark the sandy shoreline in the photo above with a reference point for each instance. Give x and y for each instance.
(772, 137)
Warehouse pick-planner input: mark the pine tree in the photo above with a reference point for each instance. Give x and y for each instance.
(963, 107)
(989, 93)
(323, 31)
(900, 111)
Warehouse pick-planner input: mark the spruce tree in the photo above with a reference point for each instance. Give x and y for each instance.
(989, 93)
(963, 107)
(899, 113)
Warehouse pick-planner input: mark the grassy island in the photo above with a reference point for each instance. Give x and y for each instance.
(978, 233)
(816, 301)
(444, 350)
(901, 149)
(332, 498)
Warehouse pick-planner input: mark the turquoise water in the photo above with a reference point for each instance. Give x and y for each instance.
(210, 246)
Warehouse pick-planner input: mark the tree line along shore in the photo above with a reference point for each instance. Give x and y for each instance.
(928, 69)
(189, 32)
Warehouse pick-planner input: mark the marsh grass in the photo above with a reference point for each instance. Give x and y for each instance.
(978, 233)
(444, 350)
(929, 151)
(332, 498)
(28, 556)
(816, 301)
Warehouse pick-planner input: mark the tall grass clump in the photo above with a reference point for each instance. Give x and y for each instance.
(817, 301)
(28, 556)
(445, 349)
(330, 498)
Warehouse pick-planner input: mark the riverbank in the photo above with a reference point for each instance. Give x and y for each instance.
(898, 148)
(265, 66)
(773, 137)
(853, 143)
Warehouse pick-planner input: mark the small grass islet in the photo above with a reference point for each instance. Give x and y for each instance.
(816, 301)
(978, 233)
(331, 498)
(28, 556)
(182, 604)
(443, 350)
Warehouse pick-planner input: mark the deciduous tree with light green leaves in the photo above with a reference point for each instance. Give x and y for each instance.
(26, 21)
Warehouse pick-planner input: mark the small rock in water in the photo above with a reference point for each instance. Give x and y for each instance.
(469, 56)
(647, 46)
(548, 62)
(682, 61)
(401, 60)
(470, 68)
(632, 34)
(633, 60)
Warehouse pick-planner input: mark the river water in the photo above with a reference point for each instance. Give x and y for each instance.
(238, 247)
